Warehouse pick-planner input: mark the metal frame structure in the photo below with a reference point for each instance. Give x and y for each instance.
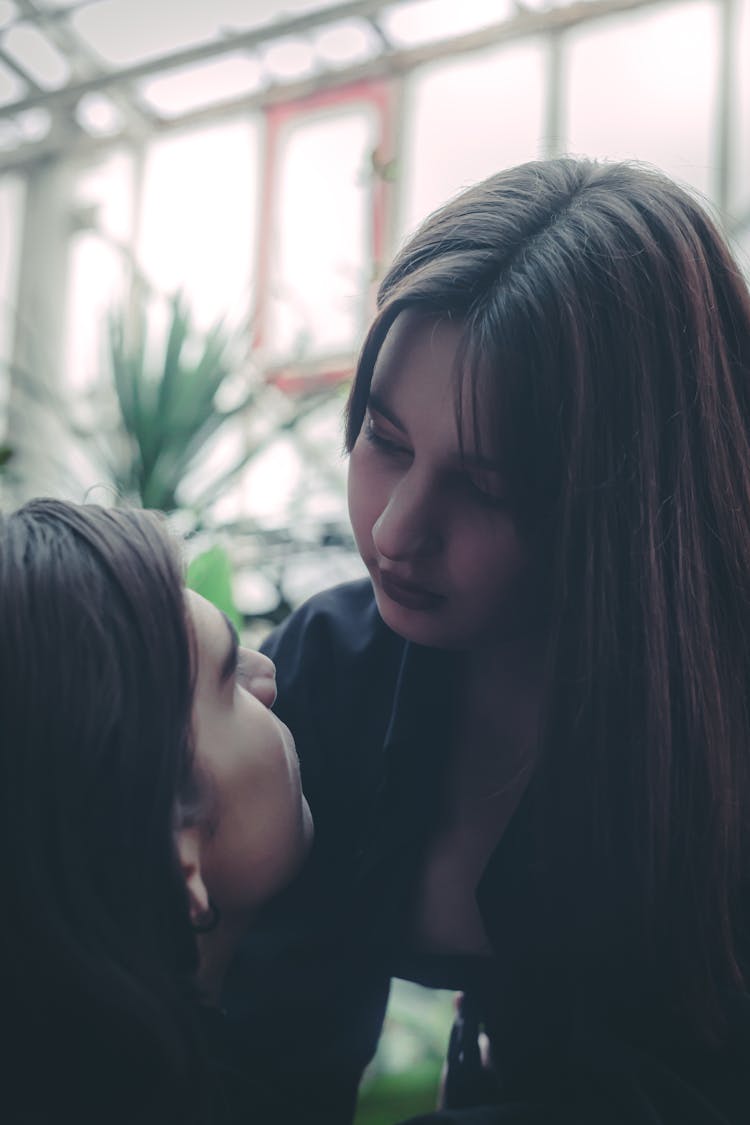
(88, 75)
(47, 164)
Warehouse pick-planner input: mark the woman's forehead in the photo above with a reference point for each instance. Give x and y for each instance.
(430, 348)
(415, 338)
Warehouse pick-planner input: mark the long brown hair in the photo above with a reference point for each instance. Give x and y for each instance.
(97, 954)
(607, 331)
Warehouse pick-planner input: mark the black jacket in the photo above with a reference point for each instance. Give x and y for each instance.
(372, 717)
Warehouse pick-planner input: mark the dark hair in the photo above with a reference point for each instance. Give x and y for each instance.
(606, 329)
(96, 951)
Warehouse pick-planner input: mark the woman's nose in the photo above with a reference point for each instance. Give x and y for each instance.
(259, 675)
(408, 526)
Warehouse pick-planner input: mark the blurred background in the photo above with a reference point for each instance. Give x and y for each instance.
(197, 199)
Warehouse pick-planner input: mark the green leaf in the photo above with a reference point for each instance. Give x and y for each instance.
(392, 1097)
(210, 575)
(178, 332)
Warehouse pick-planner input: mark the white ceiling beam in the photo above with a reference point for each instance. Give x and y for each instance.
(215, 48)
(397, 62)
(86, 67)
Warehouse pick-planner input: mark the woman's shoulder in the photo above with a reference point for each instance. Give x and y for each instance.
(336, 671)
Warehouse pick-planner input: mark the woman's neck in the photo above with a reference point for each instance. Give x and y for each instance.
(498, 726)
(503, 687)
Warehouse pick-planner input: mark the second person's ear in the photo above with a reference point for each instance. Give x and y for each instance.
(188, 841)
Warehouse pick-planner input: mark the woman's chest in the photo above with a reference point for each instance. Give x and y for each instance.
(446, 917)
(479, 800)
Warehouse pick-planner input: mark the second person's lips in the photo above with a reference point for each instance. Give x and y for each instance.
(409, 594)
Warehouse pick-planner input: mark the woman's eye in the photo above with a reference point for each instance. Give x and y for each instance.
(382, 443)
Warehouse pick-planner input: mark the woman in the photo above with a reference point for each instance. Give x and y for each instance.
(526, 739)
(146, 792)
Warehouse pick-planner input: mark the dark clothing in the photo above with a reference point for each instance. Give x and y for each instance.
(372, 716)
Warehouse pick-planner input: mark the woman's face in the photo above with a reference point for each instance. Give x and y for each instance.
(258, 828)
(435, 530)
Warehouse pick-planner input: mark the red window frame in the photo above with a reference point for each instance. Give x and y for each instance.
(377, 94)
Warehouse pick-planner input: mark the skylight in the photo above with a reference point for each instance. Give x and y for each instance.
(289, 59)
(41, 60)
(425, 21)
(346, 43)
(125, 32)
(98, 115)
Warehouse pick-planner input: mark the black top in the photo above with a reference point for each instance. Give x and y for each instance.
(372, 716)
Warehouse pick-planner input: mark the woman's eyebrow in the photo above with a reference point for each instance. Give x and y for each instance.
(375, 402)
(229, 664)
(468, 461)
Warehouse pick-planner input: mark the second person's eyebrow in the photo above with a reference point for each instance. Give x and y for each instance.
(229, 664)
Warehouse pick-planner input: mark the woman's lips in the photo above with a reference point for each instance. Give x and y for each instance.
(408, 594)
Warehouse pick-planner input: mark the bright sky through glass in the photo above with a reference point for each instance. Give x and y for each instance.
(491, 106)
(124, 32)
(345, 43)
(199, 218)
(643, 85)
(288, 59)
(644, 88)
(98, 115)
(37, 55)
(320, 235)
(424, 21)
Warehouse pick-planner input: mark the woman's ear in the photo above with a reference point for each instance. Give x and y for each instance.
(188, 842)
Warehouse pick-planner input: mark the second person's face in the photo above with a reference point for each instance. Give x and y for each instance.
(259, 829)
(435, 528)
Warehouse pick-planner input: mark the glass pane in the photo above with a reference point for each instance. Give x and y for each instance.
(465, 120)
(248, 14)
(345, 43)
(425, 21)
(127, 31)
(38, 57)
(98, 115)
(198, 225)
(96, 285)
(321, 235)
(98, 264)
(288, 59)
(644, 87)
(11, 225)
